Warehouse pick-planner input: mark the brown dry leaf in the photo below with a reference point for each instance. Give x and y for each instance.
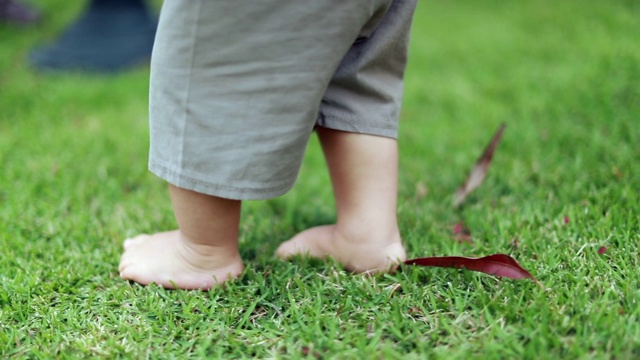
(479, 171)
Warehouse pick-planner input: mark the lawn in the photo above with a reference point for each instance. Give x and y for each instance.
(563, 75)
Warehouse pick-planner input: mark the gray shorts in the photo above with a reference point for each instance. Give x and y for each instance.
(238, 86)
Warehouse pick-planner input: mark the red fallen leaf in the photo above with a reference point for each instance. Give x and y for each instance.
(479, 171)
(458, 228)
(496, 264)
(602, 250)
(461, 233)
(306, 351)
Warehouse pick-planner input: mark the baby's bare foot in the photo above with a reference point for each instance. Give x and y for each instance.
(361, 254)
(167, 260)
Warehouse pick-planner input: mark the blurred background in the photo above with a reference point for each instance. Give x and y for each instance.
(106, 35)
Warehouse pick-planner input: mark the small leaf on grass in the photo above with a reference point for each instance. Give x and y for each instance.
(602, 250)
(462, 233)
(479, 171)
(497, 264)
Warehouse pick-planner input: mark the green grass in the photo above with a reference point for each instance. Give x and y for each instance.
(565, 77)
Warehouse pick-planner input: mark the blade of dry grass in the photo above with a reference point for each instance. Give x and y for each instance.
(479, 171)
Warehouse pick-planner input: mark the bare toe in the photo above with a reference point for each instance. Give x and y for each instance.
(135, 240)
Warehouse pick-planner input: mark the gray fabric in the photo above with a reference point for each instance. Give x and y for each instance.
(238, 86)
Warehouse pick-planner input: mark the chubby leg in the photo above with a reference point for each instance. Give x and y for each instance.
(364, 173)
(203, 252)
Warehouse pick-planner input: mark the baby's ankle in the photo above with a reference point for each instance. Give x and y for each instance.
(223, 250)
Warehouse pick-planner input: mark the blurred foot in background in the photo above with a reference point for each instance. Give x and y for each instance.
(15, 12)
(110, 35)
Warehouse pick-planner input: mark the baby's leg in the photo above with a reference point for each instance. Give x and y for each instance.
(202, 253)
(364, 173)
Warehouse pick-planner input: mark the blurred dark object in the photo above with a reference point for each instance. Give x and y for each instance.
(14, 12)
(110, 35)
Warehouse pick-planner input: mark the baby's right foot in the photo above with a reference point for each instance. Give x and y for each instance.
(358, 253)
(169, 261)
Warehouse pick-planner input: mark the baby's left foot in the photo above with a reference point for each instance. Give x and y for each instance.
(360, 251)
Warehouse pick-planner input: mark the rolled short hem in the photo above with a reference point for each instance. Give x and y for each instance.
(358, 126)
(224, 191)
